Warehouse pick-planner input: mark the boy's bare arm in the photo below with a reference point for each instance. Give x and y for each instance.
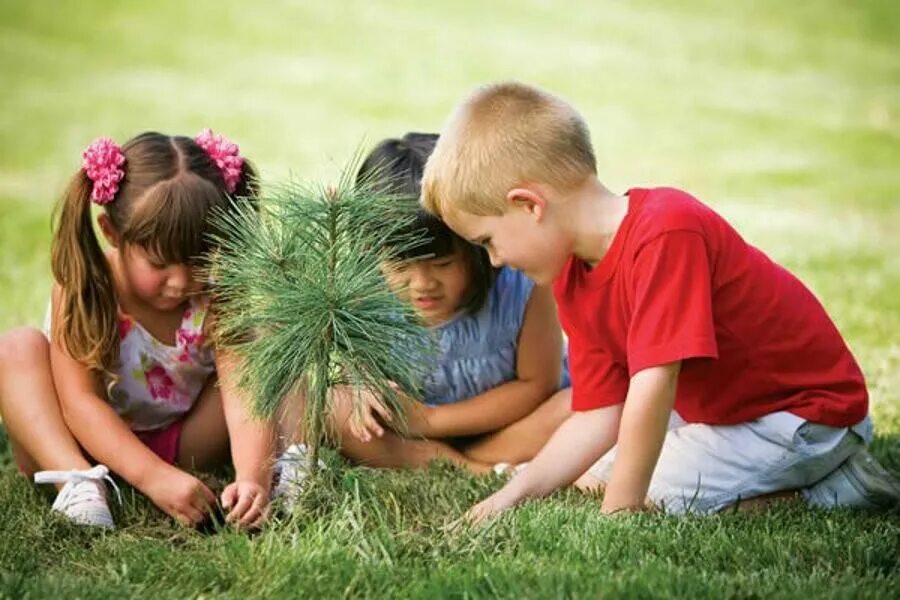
(645, 417)
(579, 442)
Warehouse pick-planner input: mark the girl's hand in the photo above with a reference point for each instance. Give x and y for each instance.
(247, 503)
(364, 414)
(181, 496)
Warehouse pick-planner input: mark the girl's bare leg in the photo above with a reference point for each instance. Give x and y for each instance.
(521, 441)
(393, 451)
(204, 438)
(290, 421)
(30, 407)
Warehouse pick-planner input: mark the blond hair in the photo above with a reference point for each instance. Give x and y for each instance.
(501, 136)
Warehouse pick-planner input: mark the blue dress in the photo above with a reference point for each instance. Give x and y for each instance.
(477, 352)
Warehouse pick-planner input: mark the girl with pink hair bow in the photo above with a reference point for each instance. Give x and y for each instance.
(124, 378)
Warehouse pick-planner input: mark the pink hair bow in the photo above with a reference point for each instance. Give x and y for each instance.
(102, 162)
(225, 154)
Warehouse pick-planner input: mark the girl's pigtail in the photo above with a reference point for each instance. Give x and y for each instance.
(248, 183)
(85, 319)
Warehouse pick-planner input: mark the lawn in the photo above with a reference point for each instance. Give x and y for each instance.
(784, 116)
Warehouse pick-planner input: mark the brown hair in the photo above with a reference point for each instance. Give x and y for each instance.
(170, 189)
(501, 136)
(395, 167)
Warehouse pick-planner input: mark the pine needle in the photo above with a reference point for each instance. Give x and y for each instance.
(302, 303)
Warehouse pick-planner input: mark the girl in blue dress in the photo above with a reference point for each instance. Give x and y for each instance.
(499, 387)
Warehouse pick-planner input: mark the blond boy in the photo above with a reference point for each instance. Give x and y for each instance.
(704, 374)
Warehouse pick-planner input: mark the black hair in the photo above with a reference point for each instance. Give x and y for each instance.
(395, 167)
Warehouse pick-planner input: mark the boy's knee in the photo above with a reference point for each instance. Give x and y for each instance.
(22, 347)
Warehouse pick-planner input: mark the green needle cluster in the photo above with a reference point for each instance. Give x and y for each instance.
(302, 302)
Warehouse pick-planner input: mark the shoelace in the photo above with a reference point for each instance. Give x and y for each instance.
(98, 473)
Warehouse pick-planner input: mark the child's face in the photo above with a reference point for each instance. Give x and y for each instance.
(164, 287)
(435, 287)
(519, 238)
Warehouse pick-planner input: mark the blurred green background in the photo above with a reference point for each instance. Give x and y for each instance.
(784, 116)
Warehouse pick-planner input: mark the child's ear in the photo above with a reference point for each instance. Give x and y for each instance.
(529, 200)
(106, 228)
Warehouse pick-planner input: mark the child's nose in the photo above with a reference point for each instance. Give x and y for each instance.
(180, 278)
(420, 279)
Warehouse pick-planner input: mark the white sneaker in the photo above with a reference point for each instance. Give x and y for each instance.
(83, 497)
(292, 468)
(503, 468)
(859, 482)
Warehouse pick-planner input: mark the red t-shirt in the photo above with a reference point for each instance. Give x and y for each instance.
(679, 283)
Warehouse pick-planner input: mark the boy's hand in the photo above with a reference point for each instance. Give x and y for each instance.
(181, 496)
(247, 503)
(582, 438)
(490, 507)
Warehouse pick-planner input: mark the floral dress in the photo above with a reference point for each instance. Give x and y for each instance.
(158, 384)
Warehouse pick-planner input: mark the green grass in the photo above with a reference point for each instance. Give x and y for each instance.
(365, 533)
(783, 116)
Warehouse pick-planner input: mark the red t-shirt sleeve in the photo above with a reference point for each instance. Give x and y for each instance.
(597, 380)
(671, 317)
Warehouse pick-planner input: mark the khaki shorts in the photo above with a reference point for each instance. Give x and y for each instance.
(705, 468)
